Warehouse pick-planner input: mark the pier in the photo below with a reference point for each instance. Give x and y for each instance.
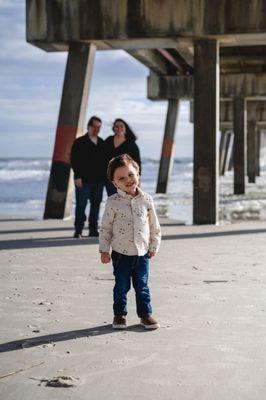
(206, 50)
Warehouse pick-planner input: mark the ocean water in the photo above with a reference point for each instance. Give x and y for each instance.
(23, 185)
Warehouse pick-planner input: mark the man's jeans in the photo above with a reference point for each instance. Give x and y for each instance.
(94, 193)
(125, 268)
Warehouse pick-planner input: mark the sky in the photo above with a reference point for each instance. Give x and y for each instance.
(31, 82)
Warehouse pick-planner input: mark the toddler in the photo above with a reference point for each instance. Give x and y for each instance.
(131, 228)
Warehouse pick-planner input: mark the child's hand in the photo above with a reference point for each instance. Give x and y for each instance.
(151, 254)
(105, 258)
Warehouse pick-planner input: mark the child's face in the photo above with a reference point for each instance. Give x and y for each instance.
(127, 179)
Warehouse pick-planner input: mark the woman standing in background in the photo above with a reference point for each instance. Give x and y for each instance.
(122, 142)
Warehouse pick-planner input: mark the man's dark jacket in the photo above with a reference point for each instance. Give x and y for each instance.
(87, 160)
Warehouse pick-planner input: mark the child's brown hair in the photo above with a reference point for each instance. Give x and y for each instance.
(120, 161)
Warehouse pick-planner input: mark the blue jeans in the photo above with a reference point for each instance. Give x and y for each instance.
(94, 193)
(125, 268)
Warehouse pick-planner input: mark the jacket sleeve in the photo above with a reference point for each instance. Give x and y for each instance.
(74, 159)
(155, 229)
(106, 229)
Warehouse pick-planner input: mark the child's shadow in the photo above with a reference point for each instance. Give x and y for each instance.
(134, 328)
(64, 336)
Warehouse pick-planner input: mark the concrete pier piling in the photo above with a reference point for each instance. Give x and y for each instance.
(251, 151)
(239, 149)
(167, 154)
(70, 125)
(258, 147)
(222, 151)
(225, 151)
(206, 103)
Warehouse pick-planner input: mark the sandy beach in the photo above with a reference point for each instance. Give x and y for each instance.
(208, 286)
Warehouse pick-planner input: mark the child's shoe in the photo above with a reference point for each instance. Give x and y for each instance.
(119, 322)
(149, 322)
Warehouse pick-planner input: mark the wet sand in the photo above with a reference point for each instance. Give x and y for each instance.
(208, 286)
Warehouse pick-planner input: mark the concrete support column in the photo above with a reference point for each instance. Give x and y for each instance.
(231, 153)
(258, 146)
(228, 152)
(251, 151)
(70, 125)
(222, 151)
(240, 133)
(167, 155)
(206, 122)
(228, 165)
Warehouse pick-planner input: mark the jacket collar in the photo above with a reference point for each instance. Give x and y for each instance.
(124, 194)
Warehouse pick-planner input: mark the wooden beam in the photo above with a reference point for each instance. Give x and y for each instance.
(231, 85)
(187, 52)
(151, 59)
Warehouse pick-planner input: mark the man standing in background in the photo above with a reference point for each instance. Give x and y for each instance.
(87, 161)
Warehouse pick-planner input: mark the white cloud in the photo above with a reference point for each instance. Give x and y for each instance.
(31, 85)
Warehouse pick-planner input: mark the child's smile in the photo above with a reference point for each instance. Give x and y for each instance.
(127, 179)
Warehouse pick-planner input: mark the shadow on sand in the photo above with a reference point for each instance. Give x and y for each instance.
(33, 230)
(70, 241)
(45, 242)
(214, 234)
(64, 336)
